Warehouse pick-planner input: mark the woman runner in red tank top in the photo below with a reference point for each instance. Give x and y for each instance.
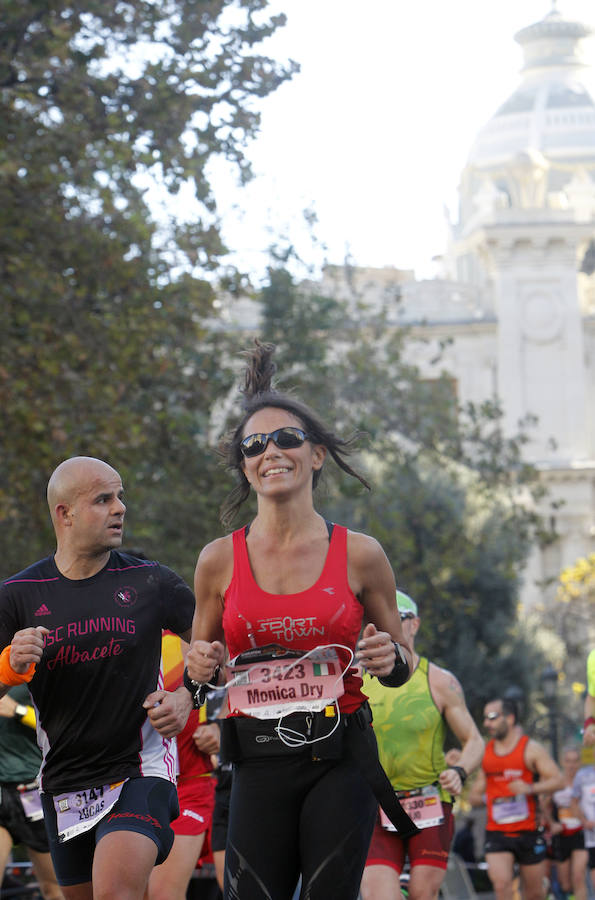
(294, 582)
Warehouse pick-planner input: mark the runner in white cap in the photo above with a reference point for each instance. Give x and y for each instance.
(410, 725)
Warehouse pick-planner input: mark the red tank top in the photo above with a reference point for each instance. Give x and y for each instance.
(507, 812)
(191, 760)
(326, 613)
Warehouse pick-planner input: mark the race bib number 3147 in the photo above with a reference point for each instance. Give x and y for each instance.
(78, 811)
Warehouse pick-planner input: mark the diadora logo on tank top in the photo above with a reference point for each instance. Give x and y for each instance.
(126, 597)
(289, 629)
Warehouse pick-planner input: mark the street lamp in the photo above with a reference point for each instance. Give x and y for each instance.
(549, 684)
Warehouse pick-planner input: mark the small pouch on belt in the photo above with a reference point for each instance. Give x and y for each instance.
(247, 738)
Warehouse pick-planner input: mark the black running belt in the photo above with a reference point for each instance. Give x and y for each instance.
(360, 747)
(244, 737)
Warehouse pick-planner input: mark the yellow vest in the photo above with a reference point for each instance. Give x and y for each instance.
(409, 729)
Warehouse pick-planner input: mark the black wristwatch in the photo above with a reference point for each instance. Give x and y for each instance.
(198, 691)
(20, 710)
(460, 772)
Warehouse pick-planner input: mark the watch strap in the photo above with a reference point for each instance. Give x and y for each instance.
(400, 656)
(197, 690)
(461, 772)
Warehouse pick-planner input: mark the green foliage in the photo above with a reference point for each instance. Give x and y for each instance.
(300, 323)
(458, 552)
(104, 347)
(568, 622)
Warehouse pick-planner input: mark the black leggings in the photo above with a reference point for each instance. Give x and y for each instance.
(292, 816)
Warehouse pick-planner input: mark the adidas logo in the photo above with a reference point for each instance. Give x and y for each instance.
(43, 611)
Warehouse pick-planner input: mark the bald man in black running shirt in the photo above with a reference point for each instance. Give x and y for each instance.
(83, 628)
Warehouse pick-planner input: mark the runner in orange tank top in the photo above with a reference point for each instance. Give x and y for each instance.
(515, 771)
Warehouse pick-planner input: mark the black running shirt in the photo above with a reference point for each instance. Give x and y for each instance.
(102, 657)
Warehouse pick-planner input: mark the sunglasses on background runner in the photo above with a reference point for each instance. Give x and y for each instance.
(492, 716)
(287, 438)
(407, 615)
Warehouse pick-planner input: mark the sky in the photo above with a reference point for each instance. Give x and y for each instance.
(373, 133)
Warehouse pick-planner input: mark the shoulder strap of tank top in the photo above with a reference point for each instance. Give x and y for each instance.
(241, 561)
(522, 746)
(335, 565)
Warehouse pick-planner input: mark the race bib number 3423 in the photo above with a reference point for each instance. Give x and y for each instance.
(275, 687)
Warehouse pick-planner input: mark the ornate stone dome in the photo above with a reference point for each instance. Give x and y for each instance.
(552, 111)
(538, 149)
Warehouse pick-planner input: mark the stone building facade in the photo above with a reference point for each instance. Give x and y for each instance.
(517, 292)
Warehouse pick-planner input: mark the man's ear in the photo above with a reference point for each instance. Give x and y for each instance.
(64, 514)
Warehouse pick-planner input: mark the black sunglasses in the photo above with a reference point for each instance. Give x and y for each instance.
(287, 438)
(406, 615)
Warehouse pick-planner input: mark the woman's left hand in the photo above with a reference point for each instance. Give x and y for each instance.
(202, 659)
(376, 651)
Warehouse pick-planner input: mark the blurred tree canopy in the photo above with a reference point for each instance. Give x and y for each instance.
(102, 310)
(570, 619)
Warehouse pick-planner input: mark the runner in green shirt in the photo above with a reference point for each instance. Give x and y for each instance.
(21, 816)
(410, 726)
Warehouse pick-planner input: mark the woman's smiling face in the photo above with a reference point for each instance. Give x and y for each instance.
(275, 469)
